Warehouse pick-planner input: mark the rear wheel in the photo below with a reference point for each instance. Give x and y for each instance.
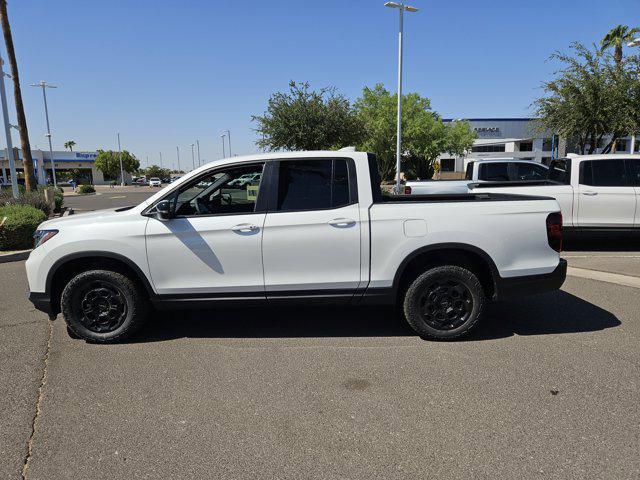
(103, 306)
(444, 302)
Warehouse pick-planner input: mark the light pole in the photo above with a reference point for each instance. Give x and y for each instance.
(7, 132)
(178, 156)
(120, 159)
(401, 9)
(224, 155)
(44, 85)
(633, 43)
(160, 159)
(193, 159)
(198, 148)
(228, 132)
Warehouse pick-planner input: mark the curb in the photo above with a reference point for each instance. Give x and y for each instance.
(15, 256)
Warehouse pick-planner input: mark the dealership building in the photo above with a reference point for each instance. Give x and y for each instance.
(79, 166)
(513, 138)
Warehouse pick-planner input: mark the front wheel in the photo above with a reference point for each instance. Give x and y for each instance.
(103, 306)
(444, 302)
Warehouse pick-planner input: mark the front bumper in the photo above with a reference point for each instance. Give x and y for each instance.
(42, 302)
(518, 286)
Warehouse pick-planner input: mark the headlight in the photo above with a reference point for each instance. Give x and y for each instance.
(42, 236)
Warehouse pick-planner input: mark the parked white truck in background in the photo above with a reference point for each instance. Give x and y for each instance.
(597, 193)
(494, 170)
(315, 227)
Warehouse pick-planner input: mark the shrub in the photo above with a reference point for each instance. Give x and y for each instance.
(34, 199)
(20, 224)
(84, 189)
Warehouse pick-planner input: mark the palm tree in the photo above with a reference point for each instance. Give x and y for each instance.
(27, 161)
(69, 144)
(616, 37)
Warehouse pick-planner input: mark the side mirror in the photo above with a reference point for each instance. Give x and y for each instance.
(163, 210)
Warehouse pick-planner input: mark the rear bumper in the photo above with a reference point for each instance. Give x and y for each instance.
(42, 302)
(518, 286)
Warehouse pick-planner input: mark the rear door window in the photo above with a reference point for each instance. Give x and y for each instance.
(469, 173)
(494, 172)
(529, 171)
(604, 173)
(312, 185)
(633, 169)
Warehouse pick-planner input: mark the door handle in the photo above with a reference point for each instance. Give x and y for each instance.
(342, 222)
(245, 228)
(591, 194)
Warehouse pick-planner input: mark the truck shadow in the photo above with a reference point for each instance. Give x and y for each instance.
(546, 314)
(612, 244)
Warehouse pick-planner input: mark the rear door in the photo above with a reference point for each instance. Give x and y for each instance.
(311, 238)
(633, 167)
(606, 196)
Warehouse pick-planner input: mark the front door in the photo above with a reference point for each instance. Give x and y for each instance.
(212, 245)
(311, 239)
(606, 197)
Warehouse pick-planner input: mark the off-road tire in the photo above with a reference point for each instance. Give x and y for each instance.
(422, 294)
(130, 298)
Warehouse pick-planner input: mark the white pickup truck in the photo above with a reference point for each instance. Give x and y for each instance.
(598, 194)
(493, 170)
(314, 227)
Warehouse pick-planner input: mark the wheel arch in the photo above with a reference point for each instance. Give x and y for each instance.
(66, 267)
(460, 254)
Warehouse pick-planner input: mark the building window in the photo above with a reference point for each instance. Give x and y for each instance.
(488, 148)
(447, 165)
(621, 146)
(526, 146)
(546, 144)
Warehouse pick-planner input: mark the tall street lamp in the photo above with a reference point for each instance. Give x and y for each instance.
(44, 85)
(228, 134)
(160, 159)
(633, 43)
(193, 159)
(401, 9)
(224, 155)
(198, 148)
(120, 160)
(7, 132)
(178, 156)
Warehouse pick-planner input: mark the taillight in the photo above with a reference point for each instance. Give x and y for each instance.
(554, 231)
(407, 190)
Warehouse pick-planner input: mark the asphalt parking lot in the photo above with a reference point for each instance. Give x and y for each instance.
(547, 387)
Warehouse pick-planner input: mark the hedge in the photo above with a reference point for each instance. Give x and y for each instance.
(19, 226)
(84, 189)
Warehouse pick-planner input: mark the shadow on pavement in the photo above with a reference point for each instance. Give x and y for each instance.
(611, 244)
(552, 313)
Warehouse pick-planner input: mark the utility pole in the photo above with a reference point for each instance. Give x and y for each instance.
(198, 147)
(44, 85)
(224, 155)
(193, 161)
(120, 159)
(401, 9)
(178, 155)
(228, 134)
(7, 132)
(160, 159)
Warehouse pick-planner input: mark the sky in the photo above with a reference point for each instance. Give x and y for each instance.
(165, 73)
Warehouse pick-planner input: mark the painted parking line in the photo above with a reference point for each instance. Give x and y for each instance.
(618, 279)
(119, 196)
(600, 256)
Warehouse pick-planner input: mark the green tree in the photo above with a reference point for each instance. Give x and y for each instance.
(615, 38)
(591, 99)
(156, 171)
(29, 177)
(69, 144)
(304, 119)
(424, 134)
(108, 162)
